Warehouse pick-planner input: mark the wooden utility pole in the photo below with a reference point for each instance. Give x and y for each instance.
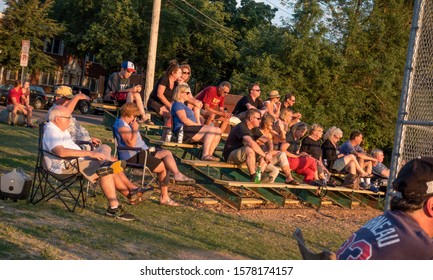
(151, 57)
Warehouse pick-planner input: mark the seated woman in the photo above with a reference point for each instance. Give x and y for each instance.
(301, 163)
(339, 162)
(127, 135)
(193, 130)
(278, 158)
(273, 104)
(312, 145)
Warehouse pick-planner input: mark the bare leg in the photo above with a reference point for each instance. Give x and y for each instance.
(109, 190)
(136, 97)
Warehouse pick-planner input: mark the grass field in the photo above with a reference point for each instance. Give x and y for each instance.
(49, 231)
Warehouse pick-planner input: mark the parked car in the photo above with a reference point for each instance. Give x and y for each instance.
(39, 99)
(82, 105)
(4, 92)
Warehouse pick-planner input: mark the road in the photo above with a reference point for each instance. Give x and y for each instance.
(88, 118)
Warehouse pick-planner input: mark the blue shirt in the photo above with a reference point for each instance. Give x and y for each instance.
(177, 123)
(347, 148)
(126, 154)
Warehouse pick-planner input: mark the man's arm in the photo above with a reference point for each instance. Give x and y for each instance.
(63, 152)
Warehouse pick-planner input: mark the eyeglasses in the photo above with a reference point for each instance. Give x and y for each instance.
(63, 117)
(292, 100)
(226, 92)
(256, 90)
(338, 137)
(186, 73)
(259, 119)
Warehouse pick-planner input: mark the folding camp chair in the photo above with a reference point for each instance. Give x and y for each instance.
(306, 253)
(47, 185)
(136, 165)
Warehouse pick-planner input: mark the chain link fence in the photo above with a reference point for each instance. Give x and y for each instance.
(414, 129)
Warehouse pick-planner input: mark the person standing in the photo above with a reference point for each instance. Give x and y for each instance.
(406, 231)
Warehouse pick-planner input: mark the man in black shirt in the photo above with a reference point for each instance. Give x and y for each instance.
(241, 143)
(251, 101)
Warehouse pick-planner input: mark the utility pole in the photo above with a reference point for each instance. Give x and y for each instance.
(151, 57)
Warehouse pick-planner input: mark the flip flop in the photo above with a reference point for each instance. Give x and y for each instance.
(169, 202)
(210, 158)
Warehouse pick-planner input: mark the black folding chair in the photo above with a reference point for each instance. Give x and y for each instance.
(47, 185)
(136, 165)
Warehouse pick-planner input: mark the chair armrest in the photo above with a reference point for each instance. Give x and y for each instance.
(79, 143)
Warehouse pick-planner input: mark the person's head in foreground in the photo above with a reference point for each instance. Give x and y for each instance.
(405, 232)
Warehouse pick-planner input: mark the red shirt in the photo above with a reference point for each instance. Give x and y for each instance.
(210, 96)
(15, 94)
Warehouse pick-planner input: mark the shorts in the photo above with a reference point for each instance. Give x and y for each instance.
(237, 156)
(189, 132)
(154, 105)
(339, 164)
(139, 158)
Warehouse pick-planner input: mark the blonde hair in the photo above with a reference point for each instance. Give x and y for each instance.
(129, 109)
(331, 132)
(314, 127)
(181, 87)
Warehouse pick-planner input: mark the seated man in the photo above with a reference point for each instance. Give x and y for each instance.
(352, 146)
(16, 103)
(93, 165)
(289, 102)
(119, 89)
(250, 101)
(241, 145)
(127, 135)
(380, 171)
(213, 104)
(64, 97)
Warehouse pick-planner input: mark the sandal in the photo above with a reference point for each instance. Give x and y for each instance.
(293, 182)
(210, 158)
(185, 181)
(169, 202)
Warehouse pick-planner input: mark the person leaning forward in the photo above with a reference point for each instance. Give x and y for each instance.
(405, 232)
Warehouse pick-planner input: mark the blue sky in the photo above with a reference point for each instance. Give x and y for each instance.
(2, 5)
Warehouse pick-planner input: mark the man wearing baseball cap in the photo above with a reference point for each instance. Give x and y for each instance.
(405, 232)
(119, 88)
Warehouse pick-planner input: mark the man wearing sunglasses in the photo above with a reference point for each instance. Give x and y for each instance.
(213, 104)
(250, 101)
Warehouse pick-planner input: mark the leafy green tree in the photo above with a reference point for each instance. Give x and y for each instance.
(27, 20)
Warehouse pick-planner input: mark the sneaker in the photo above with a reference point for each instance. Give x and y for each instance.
(267, 178)
(119, 213)
(363, 186)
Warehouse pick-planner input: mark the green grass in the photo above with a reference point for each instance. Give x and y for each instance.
(49, 231)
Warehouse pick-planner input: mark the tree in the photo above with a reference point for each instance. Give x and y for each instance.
(27, 20)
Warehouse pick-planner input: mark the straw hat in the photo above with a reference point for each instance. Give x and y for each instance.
(274, 94)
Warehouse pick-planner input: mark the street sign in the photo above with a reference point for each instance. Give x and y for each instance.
(24, 59)
(25, 46)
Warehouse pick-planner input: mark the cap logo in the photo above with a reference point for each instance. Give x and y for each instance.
(429, 187)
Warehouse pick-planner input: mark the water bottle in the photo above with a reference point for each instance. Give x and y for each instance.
(325, 178)
(180, 135)
(169, 135)
(258, 177)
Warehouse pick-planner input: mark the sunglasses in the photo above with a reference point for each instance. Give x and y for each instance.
(186, 73)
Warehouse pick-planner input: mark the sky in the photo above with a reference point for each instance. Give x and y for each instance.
(2, 5)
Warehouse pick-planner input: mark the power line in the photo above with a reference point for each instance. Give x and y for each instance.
(211, 19)
(198, 20)
(279, 8)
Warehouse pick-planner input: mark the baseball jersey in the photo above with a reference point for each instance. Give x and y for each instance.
(391, 236)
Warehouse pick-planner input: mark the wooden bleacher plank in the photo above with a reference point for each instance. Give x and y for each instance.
(173, 144)
(217, 164)
(104, 106)
(283, 185)
(152, 126)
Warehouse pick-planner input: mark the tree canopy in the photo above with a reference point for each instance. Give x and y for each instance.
(343, 59)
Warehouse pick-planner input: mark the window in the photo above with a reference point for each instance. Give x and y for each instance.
(53, 46)
(47, 78)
